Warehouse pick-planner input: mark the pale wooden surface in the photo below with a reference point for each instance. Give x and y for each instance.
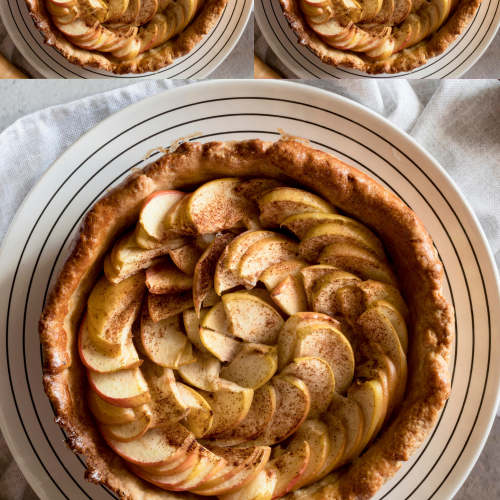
(8, 71)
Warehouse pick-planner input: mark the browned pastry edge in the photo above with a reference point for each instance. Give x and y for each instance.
(406, 60)
(403, 234)
(151, 60)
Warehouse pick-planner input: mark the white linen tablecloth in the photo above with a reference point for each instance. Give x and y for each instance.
(458, 122)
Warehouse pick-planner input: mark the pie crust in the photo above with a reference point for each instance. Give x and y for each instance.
(431, 325)
(404, 61)
(149, 61)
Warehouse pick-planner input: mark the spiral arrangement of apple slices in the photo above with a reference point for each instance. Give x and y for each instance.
(379, 28)
(263, 347)
(124, 28)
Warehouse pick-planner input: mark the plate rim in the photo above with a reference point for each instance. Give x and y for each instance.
(329, 96)
(33, 59)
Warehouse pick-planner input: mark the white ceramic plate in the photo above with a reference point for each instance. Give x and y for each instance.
(40, 235)
(453, 63)
(199, 63)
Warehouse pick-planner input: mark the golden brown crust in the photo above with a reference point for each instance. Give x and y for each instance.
(151, 60)
(404, 61)
(402, 232)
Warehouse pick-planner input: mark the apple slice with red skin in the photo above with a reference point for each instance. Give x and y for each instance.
(370, 8)
(310, 10)
(206, 466)
(178, 13)
(349, 44)
(425, 22)
(99, 362)
(81, 26)
(241, 478)
(125, 433)
(126, 388)
(189, 7)
(156, 207)
(402, 9)
(130, 15)
(166, 278)
(260, 488)
(64, 3)
(107, 413)
(95, 44)
(185, 462)
(289, 468)
(147, 10)
(116, 9)
(122, 36)
(128, 51)
(203, 278)
(56, 9)
(257, 419)
(292, 407)
(162, 24)
(334, 28)
(157, 447)
(384, 14)
(401, 37)
(66, 18)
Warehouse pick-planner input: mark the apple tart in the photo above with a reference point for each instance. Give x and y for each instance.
(125, 36)
(378, 36)
(246, 320)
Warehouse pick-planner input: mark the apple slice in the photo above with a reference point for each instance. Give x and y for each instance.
(216, 319)
(111, 310)
(376, 290)
(186, 461)
(163, 306)
(178, 14)
(206, 465)
(358, 261)
(186, 257)
(276, 273)
(340, 230)
(318, 377)
(57, 10)
(310, 10)
(257, 419)
(384, 14)
(203, 374)
(370, 8)
(251, 319)
(164, 28)
(401, 37)
(187, 356)
(167, 405)
(211, 298)
(369, 396)
(81, 26)
(377, 329)
(122, 36)
(278, 204)
(116, 276)
(192, 327)
(260, 488)
(147, 10)
(312, 274)
(237, 459)
(107, 413)
(189, 7)
(130, 15)
(249, 190)
(253, 366)
(226, 272)
(125, 433)
(240, 479)
(337, 438)
(262, 254)
(290, 295)
(328, 343)
(292, 407)
(116, 9)
(299, 224)
(203, 277)
(167, 278)
(323, 295)
(103, 37)
(64, 3)
(156, 447)
(164, 340)
(376, 37)
(230, 405)
(402, 9)
(156, 207)
(200, 416)
(333, 29)
(287, 337)
(289, 468)
(383, 52)
(126, 388)
(395, 318)
(213, 206)
(350, 414)
(220, 345)
(315, 434)
(99, 362)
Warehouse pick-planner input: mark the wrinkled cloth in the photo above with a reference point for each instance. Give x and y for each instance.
(457, 122)
(486, 67)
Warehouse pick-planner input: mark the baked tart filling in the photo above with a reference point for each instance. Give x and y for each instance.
(247, 337)
(125, 36)
(378, 36)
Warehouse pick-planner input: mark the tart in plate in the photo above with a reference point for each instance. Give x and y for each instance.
(245, 320)
(125, 36)
(378, 36)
